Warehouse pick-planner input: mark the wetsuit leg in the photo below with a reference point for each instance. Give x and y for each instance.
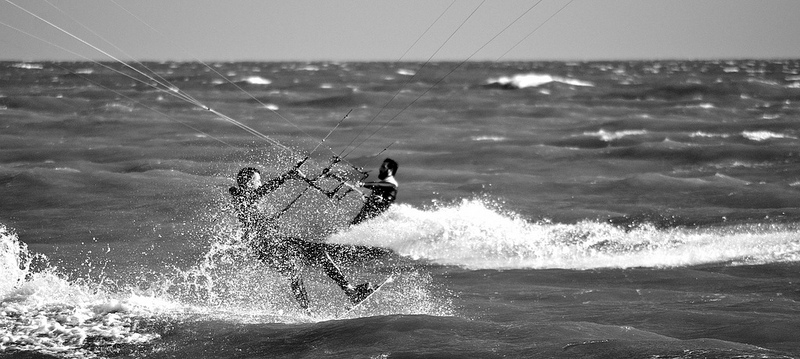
(299, 290)
(317, 254)
(283, 255)
(334, 272)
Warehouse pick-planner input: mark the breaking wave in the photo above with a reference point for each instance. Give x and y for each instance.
(520, 81)
(476, 235)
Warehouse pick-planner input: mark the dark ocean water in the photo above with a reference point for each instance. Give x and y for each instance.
(567, 210)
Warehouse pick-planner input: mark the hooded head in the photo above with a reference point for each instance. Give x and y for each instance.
(245, 175)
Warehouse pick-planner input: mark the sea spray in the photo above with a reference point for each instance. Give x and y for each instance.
(15, 260)
(479, 234)
(42, 311)
(230, 281)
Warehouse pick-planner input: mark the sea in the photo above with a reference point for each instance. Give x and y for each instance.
(606, 209)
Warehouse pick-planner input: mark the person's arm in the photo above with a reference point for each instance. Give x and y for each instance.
(274, 183)
(374, 185)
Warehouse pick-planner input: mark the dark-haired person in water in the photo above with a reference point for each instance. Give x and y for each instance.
(285, 254)
(384, 192)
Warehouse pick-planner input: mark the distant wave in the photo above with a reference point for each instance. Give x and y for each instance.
(488, 138)
(28, 66)
(474, 235)
(709, 135)
(759, 136)
(611, 136)
(257, 80)
(520, 81)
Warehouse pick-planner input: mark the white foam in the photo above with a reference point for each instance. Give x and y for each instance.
(759, 136)
(257, 80)
(474, 235)
(534, 80)
(28, 66)
(48, 314)
(488, 138)
(709, 135)
(14, 260)
(611, 136)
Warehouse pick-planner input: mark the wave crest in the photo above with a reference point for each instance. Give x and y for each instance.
(520, 81)
(475, 234)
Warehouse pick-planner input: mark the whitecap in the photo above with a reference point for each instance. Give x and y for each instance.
(488, 138)
(534, 80)
(406, 72)
(710, 135)
(257, 80)
(611, 136)
(42, 312)
(759, 136)
(476, 235)
(28, 66)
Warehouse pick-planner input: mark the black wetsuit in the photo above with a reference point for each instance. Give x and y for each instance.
(284, 253)
(383, 195)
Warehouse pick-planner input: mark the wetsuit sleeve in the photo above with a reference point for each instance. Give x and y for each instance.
(374, 185)
(271, 185)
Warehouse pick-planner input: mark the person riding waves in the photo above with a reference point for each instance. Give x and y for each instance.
(384, 192)
(286, 254)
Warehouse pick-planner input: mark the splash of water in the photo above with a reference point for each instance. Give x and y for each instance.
(230, 282)
(477, 234)
(43, 312)
(14, 260)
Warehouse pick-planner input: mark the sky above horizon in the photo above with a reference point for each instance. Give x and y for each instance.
(398, 30)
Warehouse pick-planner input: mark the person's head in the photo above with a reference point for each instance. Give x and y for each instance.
(248, 178)
(388, 168)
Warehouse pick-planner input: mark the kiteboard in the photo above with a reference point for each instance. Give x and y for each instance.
(380, 286)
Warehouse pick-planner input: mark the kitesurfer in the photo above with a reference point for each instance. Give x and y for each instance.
(284, 253)
(384, 192)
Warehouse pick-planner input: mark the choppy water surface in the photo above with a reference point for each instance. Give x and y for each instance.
(602, 209)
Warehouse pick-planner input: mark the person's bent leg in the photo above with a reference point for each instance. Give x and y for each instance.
(334, 272)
